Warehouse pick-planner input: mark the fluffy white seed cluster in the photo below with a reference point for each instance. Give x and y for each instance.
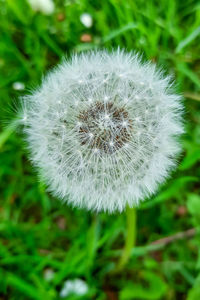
(102, 129)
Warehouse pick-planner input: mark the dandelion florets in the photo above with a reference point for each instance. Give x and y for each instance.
(102, 130)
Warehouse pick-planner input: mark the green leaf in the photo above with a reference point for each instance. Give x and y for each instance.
(183, 68)
(193, 35)
(193, 204)
(194, 292)
(171, 191)
(190, 159)
(153, 287)
(23, 286)
(16, 8)
(118, 31)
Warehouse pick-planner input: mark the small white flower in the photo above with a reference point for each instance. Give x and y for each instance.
(49, 274)
(76, 286)
(44, 6)
(18, 86)
(86, 20)
(112, 151)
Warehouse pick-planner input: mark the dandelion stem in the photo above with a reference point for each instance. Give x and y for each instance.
(130, 237)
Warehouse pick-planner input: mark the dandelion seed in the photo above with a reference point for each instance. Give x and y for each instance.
(106, 117)
(24, 119)
(124, 123)
(96, 150)
(79, 124)
(91, 135)
(106, 153)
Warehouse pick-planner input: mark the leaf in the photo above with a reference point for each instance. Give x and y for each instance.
(119, 31)
(92, 238)
(152, 288)
(193, 204)
(85, 47)
(192, 96)
(51, 44)
(74, 263)
(23, 286)
(190, 159)
(182, 67)
(17, 10)
(170, 191)
(193, 35)
(194, 292)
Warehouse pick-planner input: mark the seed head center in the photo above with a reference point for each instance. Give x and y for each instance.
(104, 127)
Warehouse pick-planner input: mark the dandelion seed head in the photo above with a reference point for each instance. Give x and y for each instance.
(104, 141)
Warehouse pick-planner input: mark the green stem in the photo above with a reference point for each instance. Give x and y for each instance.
(130, 237)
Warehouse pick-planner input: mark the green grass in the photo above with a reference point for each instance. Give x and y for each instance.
(37, 232)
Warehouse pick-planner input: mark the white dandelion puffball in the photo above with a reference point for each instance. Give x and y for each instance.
(102, 129)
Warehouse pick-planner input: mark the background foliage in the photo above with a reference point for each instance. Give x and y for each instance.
(38, 235)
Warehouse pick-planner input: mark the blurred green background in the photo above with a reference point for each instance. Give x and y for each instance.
(50, 251)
